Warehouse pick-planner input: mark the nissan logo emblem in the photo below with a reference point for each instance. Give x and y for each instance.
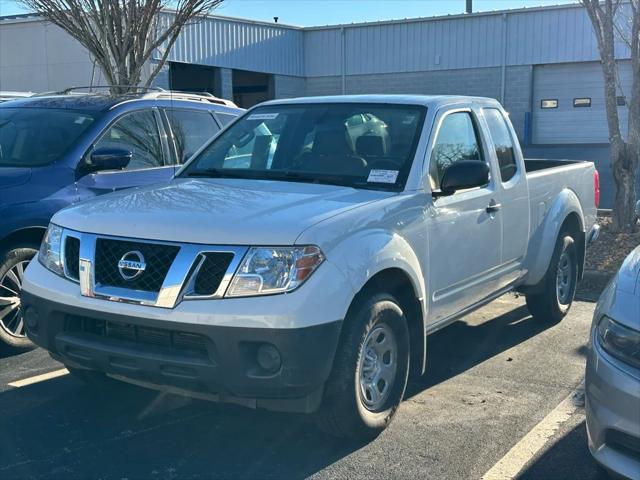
(131, 265)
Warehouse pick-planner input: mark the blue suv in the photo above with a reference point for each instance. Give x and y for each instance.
(59, 149)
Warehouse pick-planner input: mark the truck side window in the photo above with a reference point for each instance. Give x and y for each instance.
(457, 140)
(191, 129)
(137, 132)
(503, 143)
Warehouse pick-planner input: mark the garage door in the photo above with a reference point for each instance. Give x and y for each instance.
(568, 103)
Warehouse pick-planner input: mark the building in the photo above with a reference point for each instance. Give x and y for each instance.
(541, 63)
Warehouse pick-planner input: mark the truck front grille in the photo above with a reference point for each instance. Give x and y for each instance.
(72, 257)
(157, 257)
(212, 272)
(168, 339)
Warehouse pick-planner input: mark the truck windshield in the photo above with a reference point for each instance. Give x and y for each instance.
(352, 144)
(31, 137)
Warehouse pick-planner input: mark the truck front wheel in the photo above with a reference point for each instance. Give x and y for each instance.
(559, 284)
(370, 370)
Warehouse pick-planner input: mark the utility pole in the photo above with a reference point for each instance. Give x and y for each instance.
(469, 6)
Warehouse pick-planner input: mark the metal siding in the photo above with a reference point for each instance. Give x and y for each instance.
(235, 44)
(567, 124)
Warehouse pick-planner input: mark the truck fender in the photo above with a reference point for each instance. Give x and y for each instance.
(549, 219)
(370, 253)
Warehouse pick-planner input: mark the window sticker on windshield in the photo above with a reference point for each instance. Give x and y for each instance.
(408, 120)
(382, 176)
(263, 116)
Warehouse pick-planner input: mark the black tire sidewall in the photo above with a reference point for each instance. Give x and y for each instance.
(384, 311)
(9, 259)
(565, 244)
(342, 412)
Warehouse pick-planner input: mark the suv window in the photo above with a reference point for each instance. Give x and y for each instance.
(457, 140)
(191, 129)
(137, 132)
(503, 143)
(225, 118)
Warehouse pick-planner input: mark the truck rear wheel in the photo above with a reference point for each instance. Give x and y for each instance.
(559, 283)
(13, 263)
(370, 370)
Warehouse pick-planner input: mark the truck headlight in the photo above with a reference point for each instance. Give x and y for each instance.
(269, 270)
(619, 341)
(50, 254)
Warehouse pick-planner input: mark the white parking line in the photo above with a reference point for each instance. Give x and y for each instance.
(523, 451)
(38, 378)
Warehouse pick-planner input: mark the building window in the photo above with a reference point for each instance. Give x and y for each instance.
(581, 102)
(549, 103)
(621, 101)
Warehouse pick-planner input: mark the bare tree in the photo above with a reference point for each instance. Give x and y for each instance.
(123, 35)
(611, 20)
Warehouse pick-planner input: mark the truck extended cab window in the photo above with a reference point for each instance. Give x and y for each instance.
(502, 143)
(358, 145)
(31, 137)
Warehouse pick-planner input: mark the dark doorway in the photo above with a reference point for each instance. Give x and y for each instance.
(250, 88)
(186, 77)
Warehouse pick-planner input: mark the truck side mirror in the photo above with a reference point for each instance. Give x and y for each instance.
(464, 174)
(107, 159)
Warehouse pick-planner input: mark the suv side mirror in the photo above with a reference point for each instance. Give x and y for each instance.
(107, 159)
(464, 174)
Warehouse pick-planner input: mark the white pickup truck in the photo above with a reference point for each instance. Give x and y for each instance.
(300, 260)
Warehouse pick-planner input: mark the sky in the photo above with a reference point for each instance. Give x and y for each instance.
(327, 12)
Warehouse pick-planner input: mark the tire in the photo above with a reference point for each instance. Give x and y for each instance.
(12, 265)
(350, 408)
(559, 284)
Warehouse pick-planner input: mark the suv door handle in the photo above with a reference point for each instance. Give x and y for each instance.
(493, 206)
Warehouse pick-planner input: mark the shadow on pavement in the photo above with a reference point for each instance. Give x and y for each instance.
(567, 458)
(461, 346)
(61, 428)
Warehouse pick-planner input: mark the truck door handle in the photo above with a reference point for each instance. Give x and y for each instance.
(493, 207)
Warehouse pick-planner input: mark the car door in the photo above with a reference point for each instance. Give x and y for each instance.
(141, 133)
(465, 232)
(514, 192)
(190, 130)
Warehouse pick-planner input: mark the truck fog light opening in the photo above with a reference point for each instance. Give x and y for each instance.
(269, 358)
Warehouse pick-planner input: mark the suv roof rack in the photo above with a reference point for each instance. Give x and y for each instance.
(147, 93)
(196, 97)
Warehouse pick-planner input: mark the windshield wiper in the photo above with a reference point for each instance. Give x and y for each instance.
(218, 173)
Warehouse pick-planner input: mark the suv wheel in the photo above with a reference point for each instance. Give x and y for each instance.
(12, 267)
(370, 370)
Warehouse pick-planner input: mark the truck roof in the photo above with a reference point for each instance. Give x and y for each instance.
(426, 100)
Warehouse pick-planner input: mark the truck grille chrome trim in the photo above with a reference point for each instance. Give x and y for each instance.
(179, 273)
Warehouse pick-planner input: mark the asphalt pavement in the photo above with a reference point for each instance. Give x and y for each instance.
(492, 377)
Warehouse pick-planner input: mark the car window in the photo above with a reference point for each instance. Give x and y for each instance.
(502, 142)
(225, 118)
(138, 133)
(191, 129)
(456, 141)
(317, 143)
(31, 137)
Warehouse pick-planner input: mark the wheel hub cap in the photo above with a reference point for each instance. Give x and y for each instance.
(10, 314)
(378, 366)
(564, 279)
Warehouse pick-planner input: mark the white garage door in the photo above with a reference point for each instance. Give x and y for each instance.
(568, 103)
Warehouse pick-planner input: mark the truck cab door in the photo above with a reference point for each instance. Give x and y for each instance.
(465, 228)
(141, 133)
(512, 183)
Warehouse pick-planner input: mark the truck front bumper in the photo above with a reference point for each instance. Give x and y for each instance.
(276, 369)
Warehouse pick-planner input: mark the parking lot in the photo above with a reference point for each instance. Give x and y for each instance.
(494, 378)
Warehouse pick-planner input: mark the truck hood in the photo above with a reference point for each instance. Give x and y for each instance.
(13, 176)
(215, 211)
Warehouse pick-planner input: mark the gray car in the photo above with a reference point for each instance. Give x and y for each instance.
(613, 374)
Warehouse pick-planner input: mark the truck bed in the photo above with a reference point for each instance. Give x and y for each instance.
(535, 164)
